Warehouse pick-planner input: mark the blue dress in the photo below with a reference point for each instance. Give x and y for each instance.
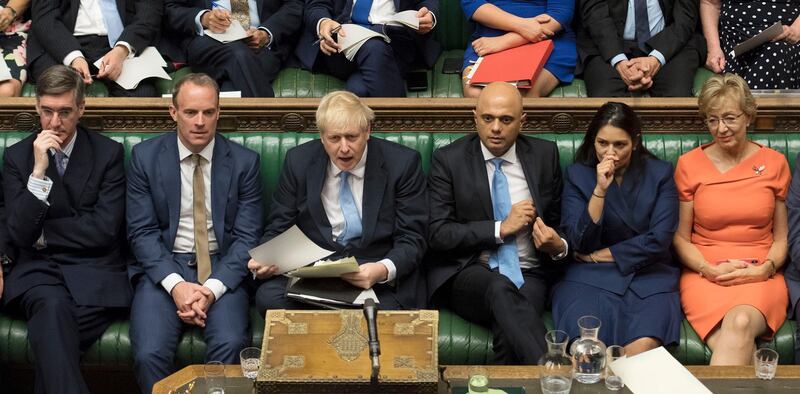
(564, 57)
(637, 295)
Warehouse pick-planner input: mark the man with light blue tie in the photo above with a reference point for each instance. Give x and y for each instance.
(248, 65)
(356, 195)
(629, 46)
(78, 33)
(495, 199)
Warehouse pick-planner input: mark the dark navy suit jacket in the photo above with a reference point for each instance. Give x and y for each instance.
(154, 201)
(82, 225)
(394, 209)
(638, 221)
(792, 271)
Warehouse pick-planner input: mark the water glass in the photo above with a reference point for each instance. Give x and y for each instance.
(478, 379)
(613, 381)
(215, 377)
(250, 358)
(765, 361)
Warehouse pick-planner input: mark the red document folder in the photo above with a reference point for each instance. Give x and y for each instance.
(519, 66)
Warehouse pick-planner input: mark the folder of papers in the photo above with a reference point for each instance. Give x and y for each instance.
(518, 66)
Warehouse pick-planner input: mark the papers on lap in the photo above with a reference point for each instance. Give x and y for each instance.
(518, 66)
(757, 40)
(148, 64)
(326, 269)
(328, 292)
(235, 32)
(355, 36)
(289, 250)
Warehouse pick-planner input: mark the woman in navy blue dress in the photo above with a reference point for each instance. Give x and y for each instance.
(619, 212)
(505, 24)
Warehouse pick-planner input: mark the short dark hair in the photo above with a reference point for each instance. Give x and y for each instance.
(621, 116)
(199, 79)
(59, 79)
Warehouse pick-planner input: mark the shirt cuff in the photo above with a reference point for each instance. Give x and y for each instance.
(217, 287)
(40, 188)
(497, 238)
(434, 20)
(389, 264)
(617, 59)
(197, 24)
(319, 22)
(563, 254)
(271, 37)
(131, 51)
(658, 55)
(170, 281)
(71, 57)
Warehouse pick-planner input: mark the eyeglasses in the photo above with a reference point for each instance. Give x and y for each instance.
(729, 120)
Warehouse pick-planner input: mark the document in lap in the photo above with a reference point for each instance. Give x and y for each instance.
(404, 18)
(328, 292)
(518, 66)
(148, 64)
(235, 32)
(289, 251)
(757, 40)
(355, 36)
(326, 269)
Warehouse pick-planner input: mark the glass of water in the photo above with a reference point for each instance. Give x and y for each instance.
(215, 377)
(250, 358)
(613, 381)
(478, 379)
(765, 361)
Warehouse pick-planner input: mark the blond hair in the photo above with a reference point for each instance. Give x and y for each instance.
(726, 86)
(343, 109)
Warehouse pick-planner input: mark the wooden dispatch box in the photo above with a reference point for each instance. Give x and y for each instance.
(318, 351)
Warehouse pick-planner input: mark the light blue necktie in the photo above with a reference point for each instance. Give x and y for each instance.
(113, 22)
(59, 158)
(506, 255)
(361, 12)
(352, 222)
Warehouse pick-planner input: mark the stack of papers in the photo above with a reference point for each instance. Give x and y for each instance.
(235, 32)
(404, 18)
(289, 250)
(326, 269)
(355, 36)
(148, 64)
(657, 372)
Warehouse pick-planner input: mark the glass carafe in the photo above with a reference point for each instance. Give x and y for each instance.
(556, 368)
(588, 352)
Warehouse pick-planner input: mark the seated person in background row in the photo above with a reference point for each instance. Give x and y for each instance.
(65, 193)
(506, 24)
(379, 67)
(6, 248)
(492, 260)
(77, 34)
(194, 210)
(619, 211)
(772, 65)
(14, 23)
(732, 230)
(248, 65)
(360, 196)
(792, 271)
(639, 45)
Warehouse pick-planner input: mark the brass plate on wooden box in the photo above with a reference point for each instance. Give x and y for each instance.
(330, 354)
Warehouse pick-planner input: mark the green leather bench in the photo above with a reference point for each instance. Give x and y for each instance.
(460, 342)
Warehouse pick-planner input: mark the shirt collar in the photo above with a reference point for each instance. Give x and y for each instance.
(357, 171)
(510, 155)
(70, 145)
(207, 152)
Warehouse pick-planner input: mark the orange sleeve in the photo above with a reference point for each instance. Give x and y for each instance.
(782, 178)
(686, 186)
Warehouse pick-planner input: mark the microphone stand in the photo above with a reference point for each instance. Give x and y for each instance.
(371, 314)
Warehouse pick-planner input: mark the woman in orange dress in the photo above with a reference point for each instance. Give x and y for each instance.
(732, 231)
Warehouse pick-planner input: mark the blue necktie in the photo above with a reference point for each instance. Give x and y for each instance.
(113, 22)
(352, 222)
(506, 255)
(60, 165)
(361, 12)
(642, 23)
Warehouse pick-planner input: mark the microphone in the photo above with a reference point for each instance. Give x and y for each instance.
(371, 314)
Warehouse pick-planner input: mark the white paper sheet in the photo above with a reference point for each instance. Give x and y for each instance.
(289, 251)
(355, 36)
(235, 32)
(657, 372)
(148, 64)
(760, 38)
(407, 18)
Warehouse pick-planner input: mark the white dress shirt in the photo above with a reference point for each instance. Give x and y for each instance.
(655, 19)
(518, 189)
(184, 239)
(90, 21)
(330, 201)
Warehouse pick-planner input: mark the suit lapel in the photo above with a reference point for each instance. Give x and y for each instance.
(169, 167)
(478, 170)
(530, 167)
(315, 177)
(374, 186)
(79, 167)
(221, 173)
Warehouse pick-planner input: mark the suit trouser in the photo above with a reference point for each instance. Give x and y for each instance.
(93, 48)
(235, 65)
(58, 331)
(156, 329)
(797, 335)
(674, 79)
(484, 296)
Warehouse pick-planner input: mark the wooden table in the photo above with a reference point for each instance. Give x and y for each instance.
(717, 379)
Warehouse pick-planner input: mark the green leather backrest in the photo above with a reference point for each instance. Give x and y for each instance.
(452, 28)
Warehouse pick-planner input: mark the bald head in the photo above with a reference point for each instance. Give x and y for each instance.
(499, 117)
(501, 92)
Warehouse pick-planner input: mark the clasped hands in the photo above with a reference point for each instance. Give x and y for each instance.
(368, 275)
(193, 301)
(522, 215)
(219, 19)
(638, 72)
(735, 272)
(531, 29)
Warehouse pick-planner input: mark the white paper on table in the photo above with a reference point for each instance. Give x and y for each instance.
(148, 64)
(760, 38)
(289, 250)
(234, 32)
(656, 372)
(355, 36)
